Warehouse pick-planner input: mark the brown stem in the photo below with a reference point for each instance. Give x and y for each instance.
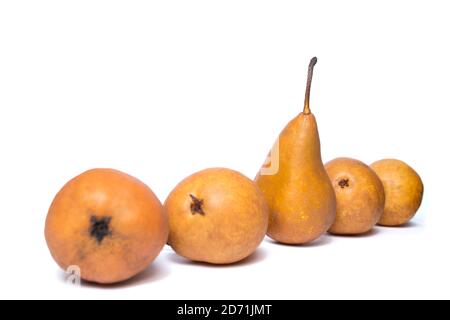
(312, 63)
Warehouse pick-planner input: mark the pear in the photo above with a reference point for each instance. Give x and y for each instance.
(403, 188)
(294, 182)
(359, 196)
(216, 216)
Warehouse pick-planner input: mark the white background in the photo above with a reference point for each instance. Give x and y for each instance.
(161, 90)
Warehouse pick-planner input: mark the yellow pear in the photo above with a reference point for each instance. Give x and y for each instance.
(359, 196)
(404, 191)
(216, 216)
(294, 182)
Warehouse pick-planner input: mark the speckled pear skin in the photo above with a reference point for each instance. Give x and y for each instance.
(300, 195)
(108, 224)
(403, 188)
(216, 216)
(359, 196)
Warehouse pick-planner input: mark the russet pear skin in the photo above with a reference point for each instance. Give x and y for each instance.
(403, 188)
(301, 198)
(359, 196)
(108, 224)
(216, 216)
(300, 195)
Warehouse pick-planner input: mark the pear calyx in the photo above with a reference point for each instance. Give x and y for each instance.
(343, 183)
(196, 205)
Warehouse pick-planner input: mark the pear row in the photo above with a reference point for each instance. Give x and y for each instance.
(111, 226)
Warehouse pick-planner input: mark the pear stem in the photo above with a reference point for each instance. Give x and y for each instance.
(312, 63)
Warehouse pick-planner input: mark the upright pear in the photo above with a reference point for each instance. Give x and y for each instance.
(294, 182)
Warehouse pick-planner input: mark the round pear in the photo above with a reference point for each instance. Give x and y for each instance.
(359, 196)
(107, 225)
(403, 188)
(217, 216)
